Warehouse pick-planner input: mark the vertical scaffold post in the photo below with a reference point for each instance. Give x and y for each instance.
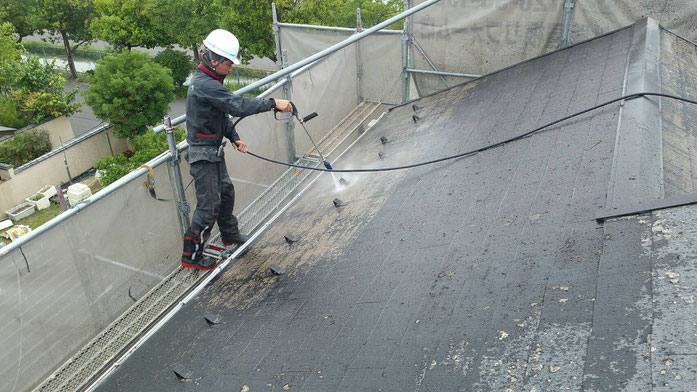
(405, 55)
(282, 62)
(566, 23)
(182, 205)
(290, 124)
(276, 36)
(359, 63)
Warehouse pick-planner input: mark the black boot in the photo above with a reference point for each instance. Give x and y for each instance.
(235, 239)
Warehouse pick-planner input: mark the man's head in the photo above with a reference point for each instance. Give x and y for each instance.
(222, 47)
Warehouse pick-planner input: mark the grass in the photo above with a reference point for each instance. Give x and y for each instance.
(38, 218)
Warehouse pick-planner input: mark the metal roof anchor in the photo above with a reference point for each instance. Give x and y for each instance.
(384, 140)
(382, 155)
(212, 318)
(343, 181)
(290, 238)
(276, 269)
(416, 107)
(339, 203)
(182, 373)
(415, 118)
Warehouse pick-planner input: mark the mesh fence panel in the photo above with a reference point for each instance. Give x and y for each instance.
(80, 275)
(480, 37)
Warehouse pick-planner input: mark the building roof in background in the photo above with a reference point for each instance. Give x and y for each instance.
(487, 272)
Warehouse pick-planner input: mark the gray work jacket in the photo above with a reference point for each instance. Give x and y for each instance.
(208, 106)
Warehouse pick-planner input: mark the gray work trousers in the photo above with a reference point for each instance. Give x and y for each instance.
(215, 199)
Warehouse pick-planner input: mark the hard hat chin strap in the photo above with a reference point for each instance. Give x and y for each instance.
(210, 59)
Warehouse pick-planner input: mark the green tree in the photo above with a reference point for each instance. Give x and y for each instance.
(251, 20)
(25, 146)
(129, 23)
(10, 53)
(372, 12)
(186, 22)
(22, 14)
(10, 113)
(39, 90)
(69, 20)
(179, 63)
(145, 147)
(130, 91)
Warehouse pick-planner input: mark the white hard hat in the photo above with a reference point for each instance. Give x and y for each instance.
(223, 43)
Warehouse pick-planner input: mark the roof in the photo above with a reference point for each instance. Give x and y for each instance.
(487, 272)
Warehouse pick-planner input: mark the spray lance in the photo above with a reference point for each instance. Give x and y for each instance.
(302, 121)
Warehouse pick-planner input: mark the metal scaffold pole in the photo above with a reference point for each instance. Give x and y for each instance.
(276, 36)
(566, 23)
(182, 206)
(290, 124)
(359, 63)
(405, 55)
(282, 62)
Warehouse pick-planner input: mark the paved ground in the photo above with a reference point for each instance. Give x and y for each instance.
(486, 273)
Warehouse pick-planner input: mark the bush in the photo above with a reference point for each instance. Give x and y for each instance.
(25, 147)
(39, 90)
(10, 115)
(178, 62)
(145, 147)
(131, 92)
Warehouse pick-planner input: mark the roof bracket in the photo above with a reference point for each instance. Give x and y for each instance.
(382, 155)
(344, 181)
(276, 269)
(212, 318)
(339, 203)
(415, 118)
(416, 107)
(290, 238)
(384, 140)
(182, 372)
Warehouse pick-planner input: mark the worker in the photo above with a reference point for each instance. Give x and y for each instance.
(209, 106)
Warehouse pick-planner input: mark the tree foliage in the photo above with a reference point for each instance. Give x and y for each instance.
(38, 90)
(186, 22)
(25, 147)
(22, 14)
(10, 113)
(251, 20)
(130, 91)
(10, 53)
(145, 147)
(372, 13)
(129, 23)
(179, 63)
(69, 21)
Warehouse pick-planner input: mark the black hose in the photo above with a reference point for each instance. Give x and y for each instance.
(489, 147)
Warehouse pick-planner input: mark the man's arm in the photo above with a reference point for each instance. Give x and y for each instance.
(239, 106)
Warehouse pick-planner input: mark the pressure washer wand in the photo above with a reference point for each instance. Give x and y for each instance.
(302, 121)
